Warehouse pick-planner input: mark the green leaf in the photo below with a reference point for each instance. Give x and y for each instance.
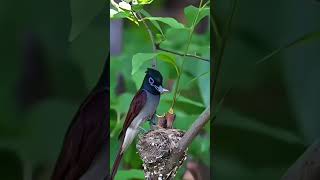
(125, 14)
(82, 13)
(155, 23)
(129, 174)
(145, 1)
(159, 38)
(302, 40)
(169, 21)
(191, 13)
(137, 7)
(165, 57)
(138, 78)
(118, 15)
(139, 59)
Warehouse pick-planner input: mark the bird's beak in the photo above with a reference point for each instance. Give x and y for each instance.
(162, 90)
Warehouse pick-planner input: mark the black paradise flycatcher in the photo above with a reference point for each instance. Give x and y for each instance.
(85, 152)
(143, 106)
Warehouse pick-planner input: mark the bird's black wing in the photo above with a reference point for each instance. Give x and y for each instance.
(137, 103)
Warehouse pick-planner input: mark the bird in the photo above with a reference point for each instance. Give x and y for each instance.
(142, 107)
(85, 153)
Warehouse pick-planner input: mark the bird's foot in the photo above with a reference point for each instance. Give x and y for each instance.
(153, 121)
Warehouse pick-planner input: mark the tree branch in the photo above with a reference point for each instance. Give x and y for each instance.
(194, 130)
(180, 54)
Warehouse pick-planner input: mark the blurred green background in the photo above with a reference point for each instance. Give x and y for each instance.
(128, 39)
(52, 54)
(271, 114)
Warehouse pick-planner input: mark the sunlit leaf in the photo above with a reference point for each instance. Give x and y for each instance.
(167, 20)
(145, 1)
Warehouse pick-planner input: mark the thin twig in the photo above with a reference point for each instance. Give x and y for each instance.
(154, 61)
(186, 52)
(181, 54)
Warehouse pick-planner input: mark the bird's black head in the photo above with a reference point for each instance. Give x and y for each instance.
(153, 82)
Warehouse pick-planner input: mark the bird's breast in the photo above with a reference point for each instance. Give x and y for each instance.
(147, 111)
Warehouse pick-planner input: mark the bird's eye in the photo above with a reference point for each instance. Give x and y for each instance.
(151, 81)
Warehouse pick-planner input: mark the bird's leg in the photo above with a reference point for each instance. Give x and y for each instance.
(153, 122)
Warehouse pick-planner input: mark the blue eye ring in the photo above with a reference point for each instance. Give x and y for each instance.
(151, 81)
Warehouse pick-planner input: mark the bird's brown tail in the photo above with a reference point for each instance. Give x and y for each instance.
(116, 164)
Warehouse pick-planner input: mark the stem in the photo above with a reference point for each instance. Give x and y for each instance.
(180, 54)
(154, 61)
(186, 52)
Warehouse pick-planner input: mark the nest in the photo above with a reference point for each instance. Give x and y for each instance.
(156, 149)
